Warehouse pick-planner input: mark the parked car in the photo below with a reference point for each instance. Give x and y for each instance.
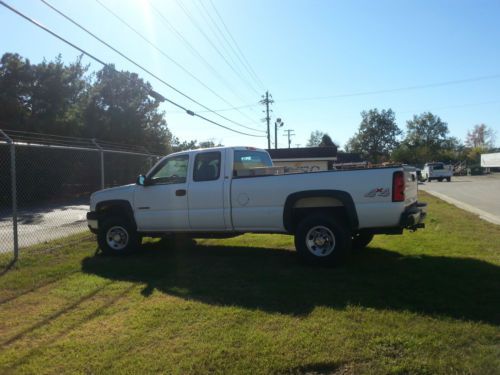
(437, 171)
(233, 190)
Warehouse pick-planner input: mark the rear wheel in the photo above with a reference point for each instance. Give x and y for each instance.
(117, 236)
(448, 179)
(440, 179)
(320, 239)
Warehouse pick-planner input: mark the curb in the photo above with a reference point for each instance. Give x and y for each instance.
(464, 206)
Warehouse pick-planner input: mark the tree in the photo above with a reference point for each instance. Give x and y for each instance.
(326, 141)
(320, 139)
(177, 145)
(480, 136)
(427, 130)
(377, 135)
(427, 140)
(60, 99)
(16, 76)
(120, 108)
(315, 138)
(42, 97)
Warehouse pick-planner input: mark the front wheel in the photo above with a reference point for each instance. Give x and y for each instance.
(320, 239)
(117, 236)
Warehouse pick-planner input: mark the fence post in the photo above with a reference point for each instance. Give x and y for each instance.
(13, 192)
(101, 152)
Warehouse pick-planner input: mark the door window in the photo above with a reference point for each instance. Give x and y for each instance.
(171, 171)
(207, 166)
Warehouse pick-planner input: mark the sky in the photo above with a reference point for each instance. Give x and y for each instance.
(324, 62)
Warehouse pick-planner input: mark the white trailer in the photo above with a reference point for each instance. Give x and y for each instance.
(490, 160)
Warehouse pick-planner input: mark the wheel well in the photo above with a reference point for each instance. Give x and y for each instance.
(330, 202)
(339, 212)
(115, 208)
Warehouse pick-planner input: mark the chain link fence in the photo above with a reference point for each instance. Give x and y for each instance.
(46, 182)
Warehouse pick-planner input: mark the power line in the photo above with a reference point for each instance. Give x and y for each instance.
(457, 106)
(407, 88)
(224, 41)
(178, 65)
(196, 53)
(256, 77)
(141, 67)
(189, 112)
(198, 27)
(384, 91)
(214, 28)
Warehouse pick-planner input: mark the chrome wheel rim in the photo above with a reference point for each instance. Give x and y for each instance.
(117, 238)
(320, 241)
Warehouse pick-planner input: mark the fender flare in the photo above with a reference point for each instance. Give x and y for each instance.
(340, 195)
(122, 204)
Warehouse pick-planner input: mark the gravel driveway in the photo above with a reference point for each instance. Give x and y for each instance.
(41, 224)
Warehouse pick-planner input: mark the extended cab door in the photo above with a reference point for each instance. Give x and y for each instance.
(162, 204)
(206, 191)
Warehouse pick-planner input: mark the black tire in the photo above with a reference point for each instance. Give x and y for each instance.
(440, 179)
(448, 179)
(334, 234)
(125, 241)
(361, 239)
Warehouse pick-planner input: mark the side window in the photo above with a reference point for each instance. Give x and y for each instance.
(171, 171)
(207, 166)
(245, 160)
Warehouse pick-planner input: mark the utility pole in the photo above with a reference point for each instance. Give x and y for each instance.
(289, 135)
(266, 100)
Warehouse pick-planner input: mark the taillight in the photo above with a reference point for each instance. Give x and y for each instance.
(398, 187)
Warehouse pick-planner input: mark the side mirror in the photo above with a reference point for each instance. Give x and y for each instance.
(141, 180)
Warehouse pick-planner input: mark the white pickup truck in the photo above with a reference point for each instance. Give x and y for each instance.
(227, 191)
(437, 171)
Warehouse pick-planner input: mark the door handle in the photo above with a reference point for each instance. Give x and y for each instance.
(180, 192)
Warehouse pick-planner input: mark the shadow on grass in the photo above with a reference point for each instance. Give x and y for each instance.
(273, 280)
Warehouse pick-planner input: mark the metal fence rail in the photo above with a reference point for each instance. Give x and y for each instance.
(46, 181)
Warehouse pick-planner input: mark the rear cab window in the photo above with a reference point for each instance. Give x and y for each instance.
(437, 165)
(245, 160)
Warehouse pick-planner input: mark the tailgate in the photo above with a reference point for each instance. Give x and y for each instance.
(411, 185)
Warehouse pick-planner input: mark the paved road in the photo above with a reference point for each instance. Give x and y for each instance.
(477, 194)
(42, 224)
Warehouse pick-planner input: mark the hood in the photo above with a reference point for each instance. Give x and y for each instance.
(125, 192)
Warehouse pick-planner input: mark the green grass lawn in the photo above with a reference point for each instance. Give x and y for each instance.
(422, 303)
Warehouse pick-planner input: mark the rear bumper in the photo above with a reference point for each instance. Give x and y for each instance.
(413, 217)
(93, 221)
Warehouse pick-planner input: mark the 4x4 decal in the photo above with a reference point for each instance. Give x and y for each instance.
(380, 192)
